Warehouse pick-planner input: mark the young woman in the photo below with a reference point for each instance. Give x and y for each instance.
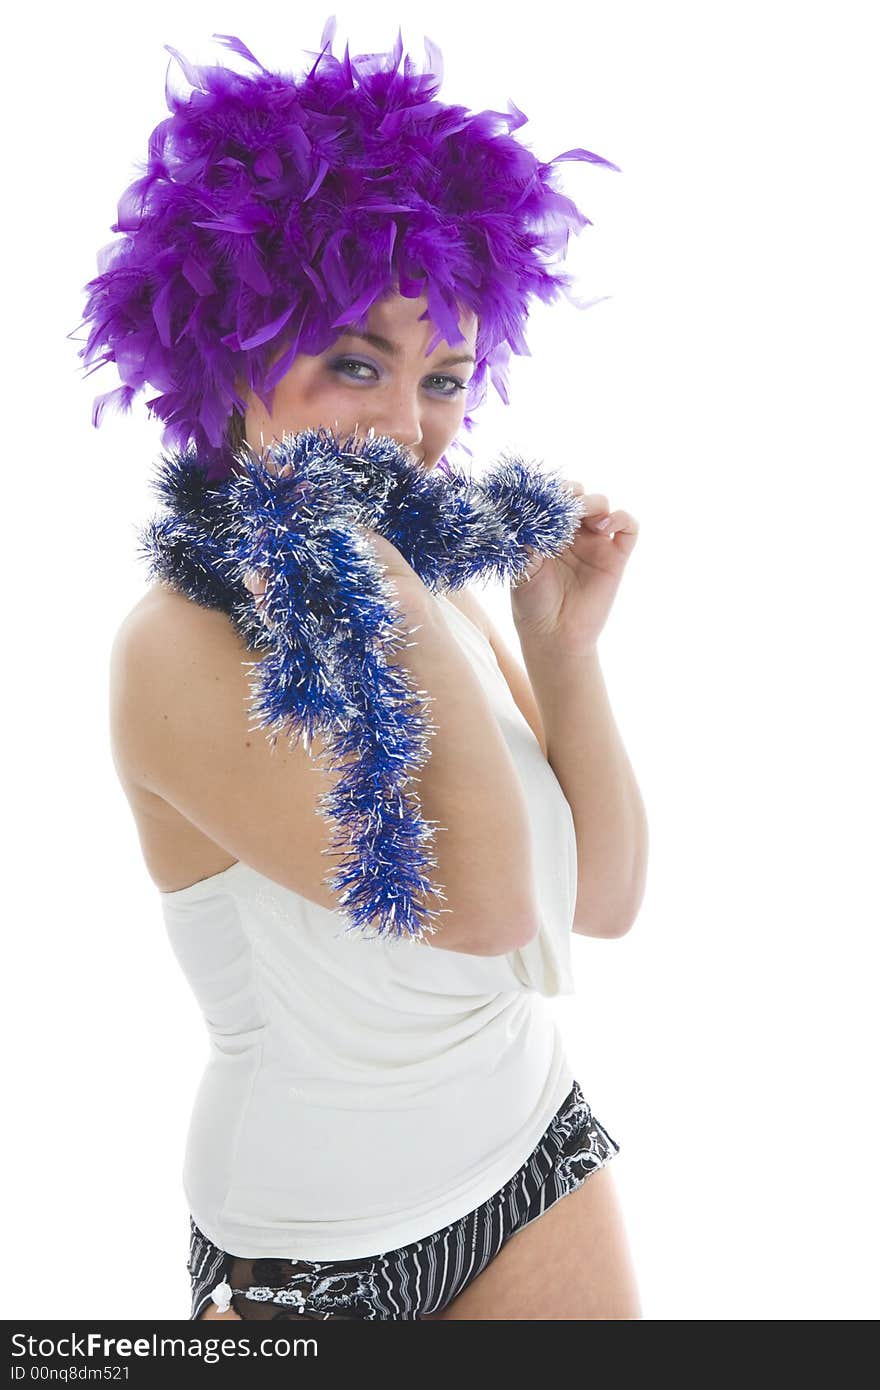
(385, 1128)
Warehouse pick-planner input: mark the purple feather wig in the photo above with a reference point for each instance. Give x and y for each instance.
(273, 211)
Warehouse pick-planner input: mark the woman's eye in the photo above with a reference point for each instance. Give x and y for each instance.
(350, 362)
(452, 384)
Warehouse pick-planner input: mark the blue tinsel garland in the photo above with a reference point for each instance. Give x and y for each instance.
(326, 651)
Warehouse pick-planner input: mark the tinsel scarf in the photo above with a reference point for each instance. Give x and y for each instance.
(329, 625)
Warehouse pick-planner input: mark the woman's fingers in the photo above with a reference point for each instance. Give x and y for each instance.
(254, 581)
(271, 466)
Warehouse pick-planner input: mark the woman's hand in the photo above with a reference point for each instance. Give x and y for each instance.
(569, 596)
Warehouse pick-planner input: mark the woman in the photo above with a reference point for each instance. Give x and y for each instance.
(381, 1122)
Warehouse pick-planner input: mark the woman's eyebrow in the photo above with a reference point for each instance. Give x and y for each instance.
(394, 351)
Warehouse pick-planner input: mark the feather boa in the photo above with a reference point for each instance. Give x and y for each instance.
(329, 626)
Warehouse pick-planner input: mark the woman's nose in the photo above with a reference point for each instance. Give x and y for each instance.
(400, 422)
(412, 443)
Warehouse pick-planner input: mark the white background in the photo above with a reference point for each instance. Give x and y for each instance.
(726, 395)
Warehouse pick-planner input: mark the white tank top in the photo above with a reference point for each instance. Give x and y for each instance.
(361, 1093)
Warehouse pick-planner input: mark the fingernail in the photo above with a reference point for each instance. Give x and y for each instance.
(600, 525)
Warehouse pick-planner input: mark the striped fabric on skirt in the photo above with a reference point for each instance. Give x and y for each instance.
(416, 1279)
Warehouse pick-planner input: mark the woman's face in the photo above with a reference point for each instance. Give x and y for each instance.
(392, 388)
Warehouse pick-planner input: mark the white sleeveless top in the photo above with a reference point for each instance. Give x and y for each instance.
(360, 1093)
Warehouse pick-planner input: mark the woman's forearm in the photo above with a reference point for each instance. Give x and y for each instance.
(586, 752)
(469, 786)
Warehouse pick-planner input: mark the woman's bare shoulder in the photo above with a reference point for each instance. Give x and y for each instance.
(163, 613)
(161, 605)
(162, 645)
(160, 600)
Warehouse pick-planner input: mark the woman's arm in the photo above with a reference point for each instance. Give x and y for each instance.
(470, 785)
(180, 685)
(593, 769)
(586, 752)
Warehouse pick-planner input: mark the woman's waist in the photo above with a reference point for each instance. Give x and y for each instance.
(377, 1045)
(292, 1072)
(336, 1150)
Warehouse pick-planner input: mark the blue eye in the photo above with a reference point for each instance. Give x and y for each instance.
(343, 362)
